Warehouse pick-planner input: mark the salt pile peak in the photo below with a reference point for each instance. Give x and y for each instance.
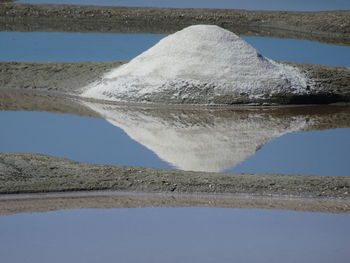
(202, 64)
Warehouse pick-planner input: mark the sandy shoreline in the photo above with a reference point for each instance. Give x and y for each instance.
(324, 26)
(331, 84)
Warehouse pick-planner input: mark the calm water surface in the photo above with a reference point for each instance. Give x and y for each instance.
(296, 5)
(175, 235)
(94, 140)
(74, 47)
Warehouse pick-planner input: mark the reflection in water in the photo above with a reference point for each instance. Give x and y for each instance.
(201, 139)
(33, 203)
(209, 140)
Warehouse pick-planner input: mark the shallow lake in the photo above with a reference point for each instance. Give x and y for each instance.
(76, 47)
(175, 235)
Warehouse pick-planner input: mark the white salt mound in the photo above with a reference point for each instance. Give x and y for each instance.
(199, 61)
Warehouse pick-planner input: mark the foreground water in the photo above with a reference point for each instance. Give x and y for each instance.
(227, 144)
(76, 47)
(296, 5)
(175, 235)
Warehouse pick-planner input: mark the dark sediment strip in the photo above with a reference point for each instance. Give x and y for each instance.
(330, 84)
(325, 26)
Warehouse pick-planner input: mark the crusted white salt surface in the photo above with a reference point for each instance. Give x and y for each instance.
(202, 64)
(201, 140)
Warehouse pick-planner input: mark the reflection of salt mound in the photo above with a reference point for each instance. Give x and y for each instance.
(199, 140)
(199, 64)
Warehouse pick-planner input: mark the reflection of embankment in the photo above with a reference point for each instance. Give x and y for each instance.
(325, 116)
(30, 203)
(326, 26)
(11, 100)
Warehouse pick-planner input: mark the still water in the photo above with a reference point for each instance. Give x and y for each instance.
(263, 144)
(77, 47)
(175, 235)
(228, 142)
(296, 5)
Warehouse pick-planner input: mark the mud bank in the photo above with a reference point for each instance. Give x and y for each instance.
(29, 203)
(325, 26)
(33, 173)
(331, 84)
(53, 77)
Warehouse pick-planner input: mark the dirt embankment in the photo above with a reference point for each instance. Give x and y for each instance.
(331, 84)
(53, 77)
(33, 173)
(325, 26)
